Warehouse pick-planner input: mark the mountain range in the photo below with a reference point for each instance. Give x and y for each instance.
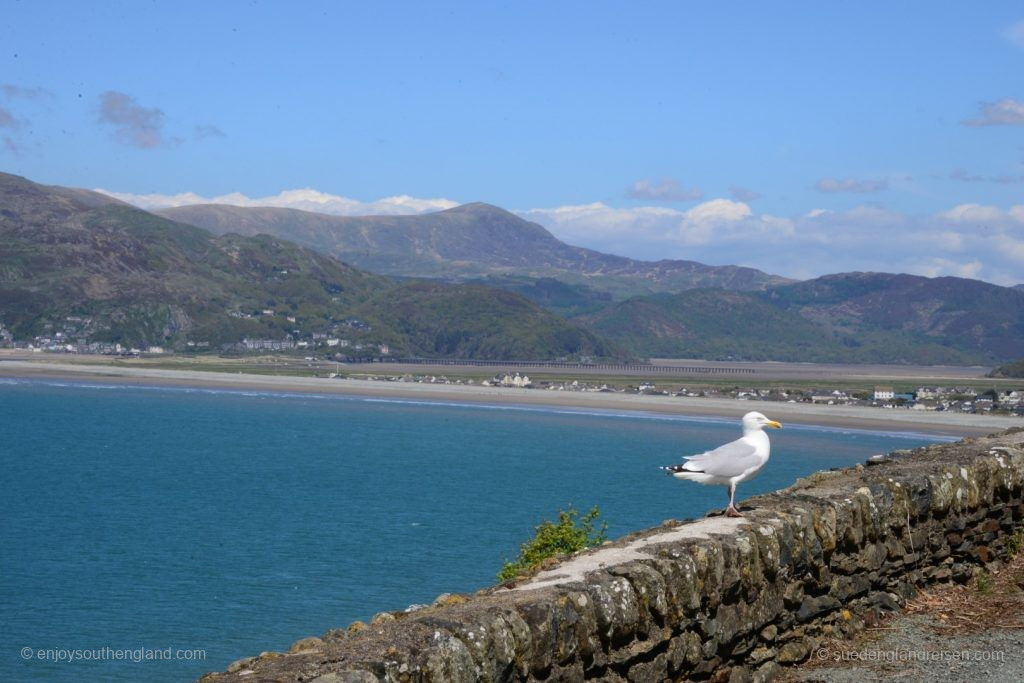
(469, 241)
(472, 282)
(847, 317)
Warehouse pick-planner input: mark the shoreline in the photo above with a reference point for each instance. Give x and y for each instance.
(811, 415)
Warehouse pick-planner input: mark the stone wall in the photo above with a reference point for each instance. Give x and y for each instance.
(718, 598)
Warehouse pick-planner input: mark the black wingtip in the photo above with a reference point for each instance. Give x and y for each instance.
(674, 469)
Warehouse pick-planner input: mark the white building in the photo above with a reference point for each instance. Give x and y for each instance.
(884, 393)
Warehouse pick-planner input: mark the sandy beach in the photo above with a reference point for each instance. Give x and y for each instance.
(855, 417)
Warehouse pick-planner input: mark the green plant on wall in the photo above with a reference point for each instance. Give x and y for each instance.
(570, 534)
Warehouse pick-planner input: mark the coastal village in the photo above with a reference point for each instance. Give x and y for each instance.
(73, 336)
(71, 339)
(961, 399)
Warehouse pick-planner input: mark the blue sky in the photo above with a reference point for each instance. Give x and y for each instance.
(800, 138)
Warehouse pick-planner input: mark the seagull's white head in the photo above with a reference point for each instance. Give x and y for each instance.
(755, 421)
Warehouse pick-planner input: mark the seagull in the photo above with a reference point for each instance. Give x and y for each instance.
(733, 462)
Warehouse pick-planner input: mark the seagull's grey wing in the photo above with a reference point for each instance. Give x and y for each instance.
(730, 460)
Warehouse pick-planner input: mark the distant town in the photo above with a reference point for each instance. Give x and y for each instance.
(72, 339)
(961, 399)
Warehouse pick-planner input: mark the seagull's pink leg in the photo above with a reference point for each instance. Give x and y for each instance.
(731, 511)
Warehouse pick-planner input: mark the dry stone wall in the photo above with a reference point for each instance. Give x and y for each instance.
(717, 598)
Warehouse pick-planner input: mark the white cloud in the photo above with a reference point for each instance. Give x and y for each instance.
(1005, 112)
(937, 267)
(948, 240)
(975, 213)
(650, 231)
(718, 211)
(716, 220)
(969, 240)
(306, 199)
(1012, 247)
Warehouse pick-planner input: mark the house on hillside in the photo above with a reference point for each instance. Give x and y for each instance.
(268, 344)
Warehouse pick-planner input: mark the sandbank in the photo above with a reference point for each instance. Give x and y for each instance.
(850, 417)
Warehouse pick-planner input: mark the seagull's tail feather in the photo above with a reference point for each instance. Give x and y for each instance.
(684, 471)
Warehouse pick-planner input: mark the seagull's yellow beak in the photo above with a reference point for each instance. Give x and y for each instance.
(773, 424)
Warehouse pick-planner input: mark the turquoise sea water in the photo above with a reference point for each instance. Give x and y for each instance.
(234, 523)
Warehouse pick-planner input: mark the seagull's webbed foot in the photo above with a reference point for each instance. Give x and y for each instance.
(731, 511)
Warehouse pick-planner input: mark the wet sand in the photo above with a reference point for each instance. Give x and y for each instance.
(855, 417)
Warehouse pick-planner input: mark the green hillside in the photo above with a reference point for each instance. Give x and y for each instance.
(713, 324)
(97, 270)
(850, 318)
(973, 319)
(140, 279)
(567, 300)
(471, 321)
